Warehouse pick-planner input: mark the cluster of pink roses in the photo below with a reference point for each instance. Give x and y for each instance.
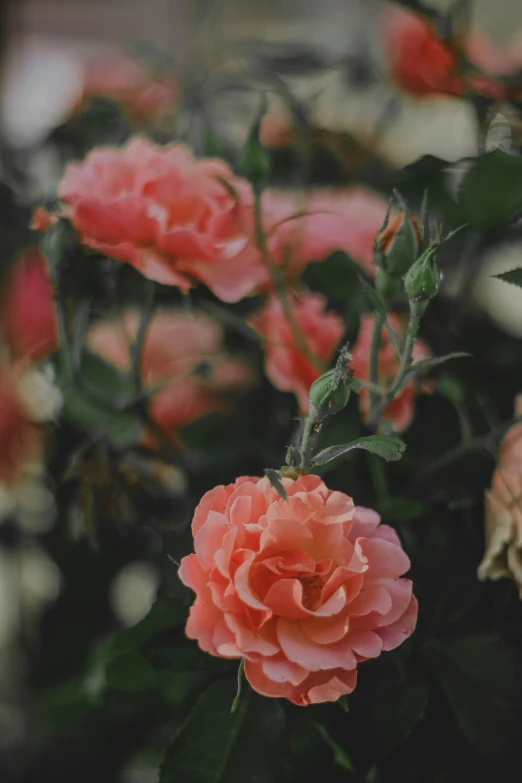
(303, 589)
(182, 221)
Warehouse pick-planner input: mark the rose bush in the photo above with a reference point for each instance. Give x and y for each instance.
(304, 590)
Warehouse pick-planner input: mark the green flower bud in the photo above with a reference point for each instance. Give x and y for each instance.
(327, 395)
(397, 245)
(422, 280)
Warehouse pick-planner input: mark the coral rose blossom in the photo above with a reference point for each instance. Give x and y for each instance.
(28, 319)
(324, 221)
(184, 354)
(422, 64)
(304, 590)
(287, 366)
(180, 221)
(400, 411)
(169, 215)
(503, 556)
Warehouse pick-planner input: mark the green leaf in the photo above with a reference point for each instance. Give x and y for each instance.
(481, 677)
(426, 364)
(398, 708)
(491, 192)
(388, 447)
(514, 276)
(104, 380)
(341, 758)
(202, 747)
(275, 479)
(123, 428)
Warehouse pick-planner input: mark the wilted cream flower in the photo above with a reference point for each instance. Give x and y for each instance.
(503, 511)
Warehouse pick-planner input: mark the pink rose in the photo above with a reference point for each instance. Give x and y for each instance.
(323, 221)
(184, 354)
(503, 517)
(287, 366)
(28, 312)
(303, 589)
(128, 82)
(423, 64)
(400, 411)
(178, 222)
(167, 214)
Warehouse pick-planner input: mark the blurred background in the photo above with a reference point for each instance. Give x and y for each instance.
(182, 69)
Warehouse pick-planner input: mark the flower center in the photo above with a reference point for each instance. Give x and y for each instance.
(312, 586)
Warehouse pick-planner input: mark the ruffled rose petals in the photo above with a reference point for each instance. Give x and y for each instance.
(302, 590)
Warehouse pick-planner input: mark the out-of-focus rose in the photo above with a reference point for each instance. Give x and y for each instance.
(169, 215)
(181, 354)
(28, 317)
(178, 222)
(29, 397)
(287, 366)
(330, 220)
(503, 513)
(400, 411)
(422, 64)
(303, 590)
(130, 83)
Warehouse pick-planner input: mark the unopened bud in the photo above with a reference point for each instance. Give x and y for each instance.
(398, 244)
(328, 395)
(422, 280)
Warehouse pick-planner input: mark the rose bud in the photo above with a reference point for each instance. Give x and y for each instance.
(422, 280)
(397, 245)
(328, 395)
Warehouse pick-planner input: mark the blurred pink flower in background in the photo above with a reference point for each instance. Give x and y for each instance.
(287, 366)
(400, 411)
(181, 354)
(28, 395)
(164, 212)
(179, 220)
(311, 227)
(131, 83)
(303, 590)
(423, 64)
(28, 310)
(503, 514)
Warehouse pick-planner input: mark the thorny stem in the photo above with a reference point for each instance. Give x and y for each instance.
(279, 285)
